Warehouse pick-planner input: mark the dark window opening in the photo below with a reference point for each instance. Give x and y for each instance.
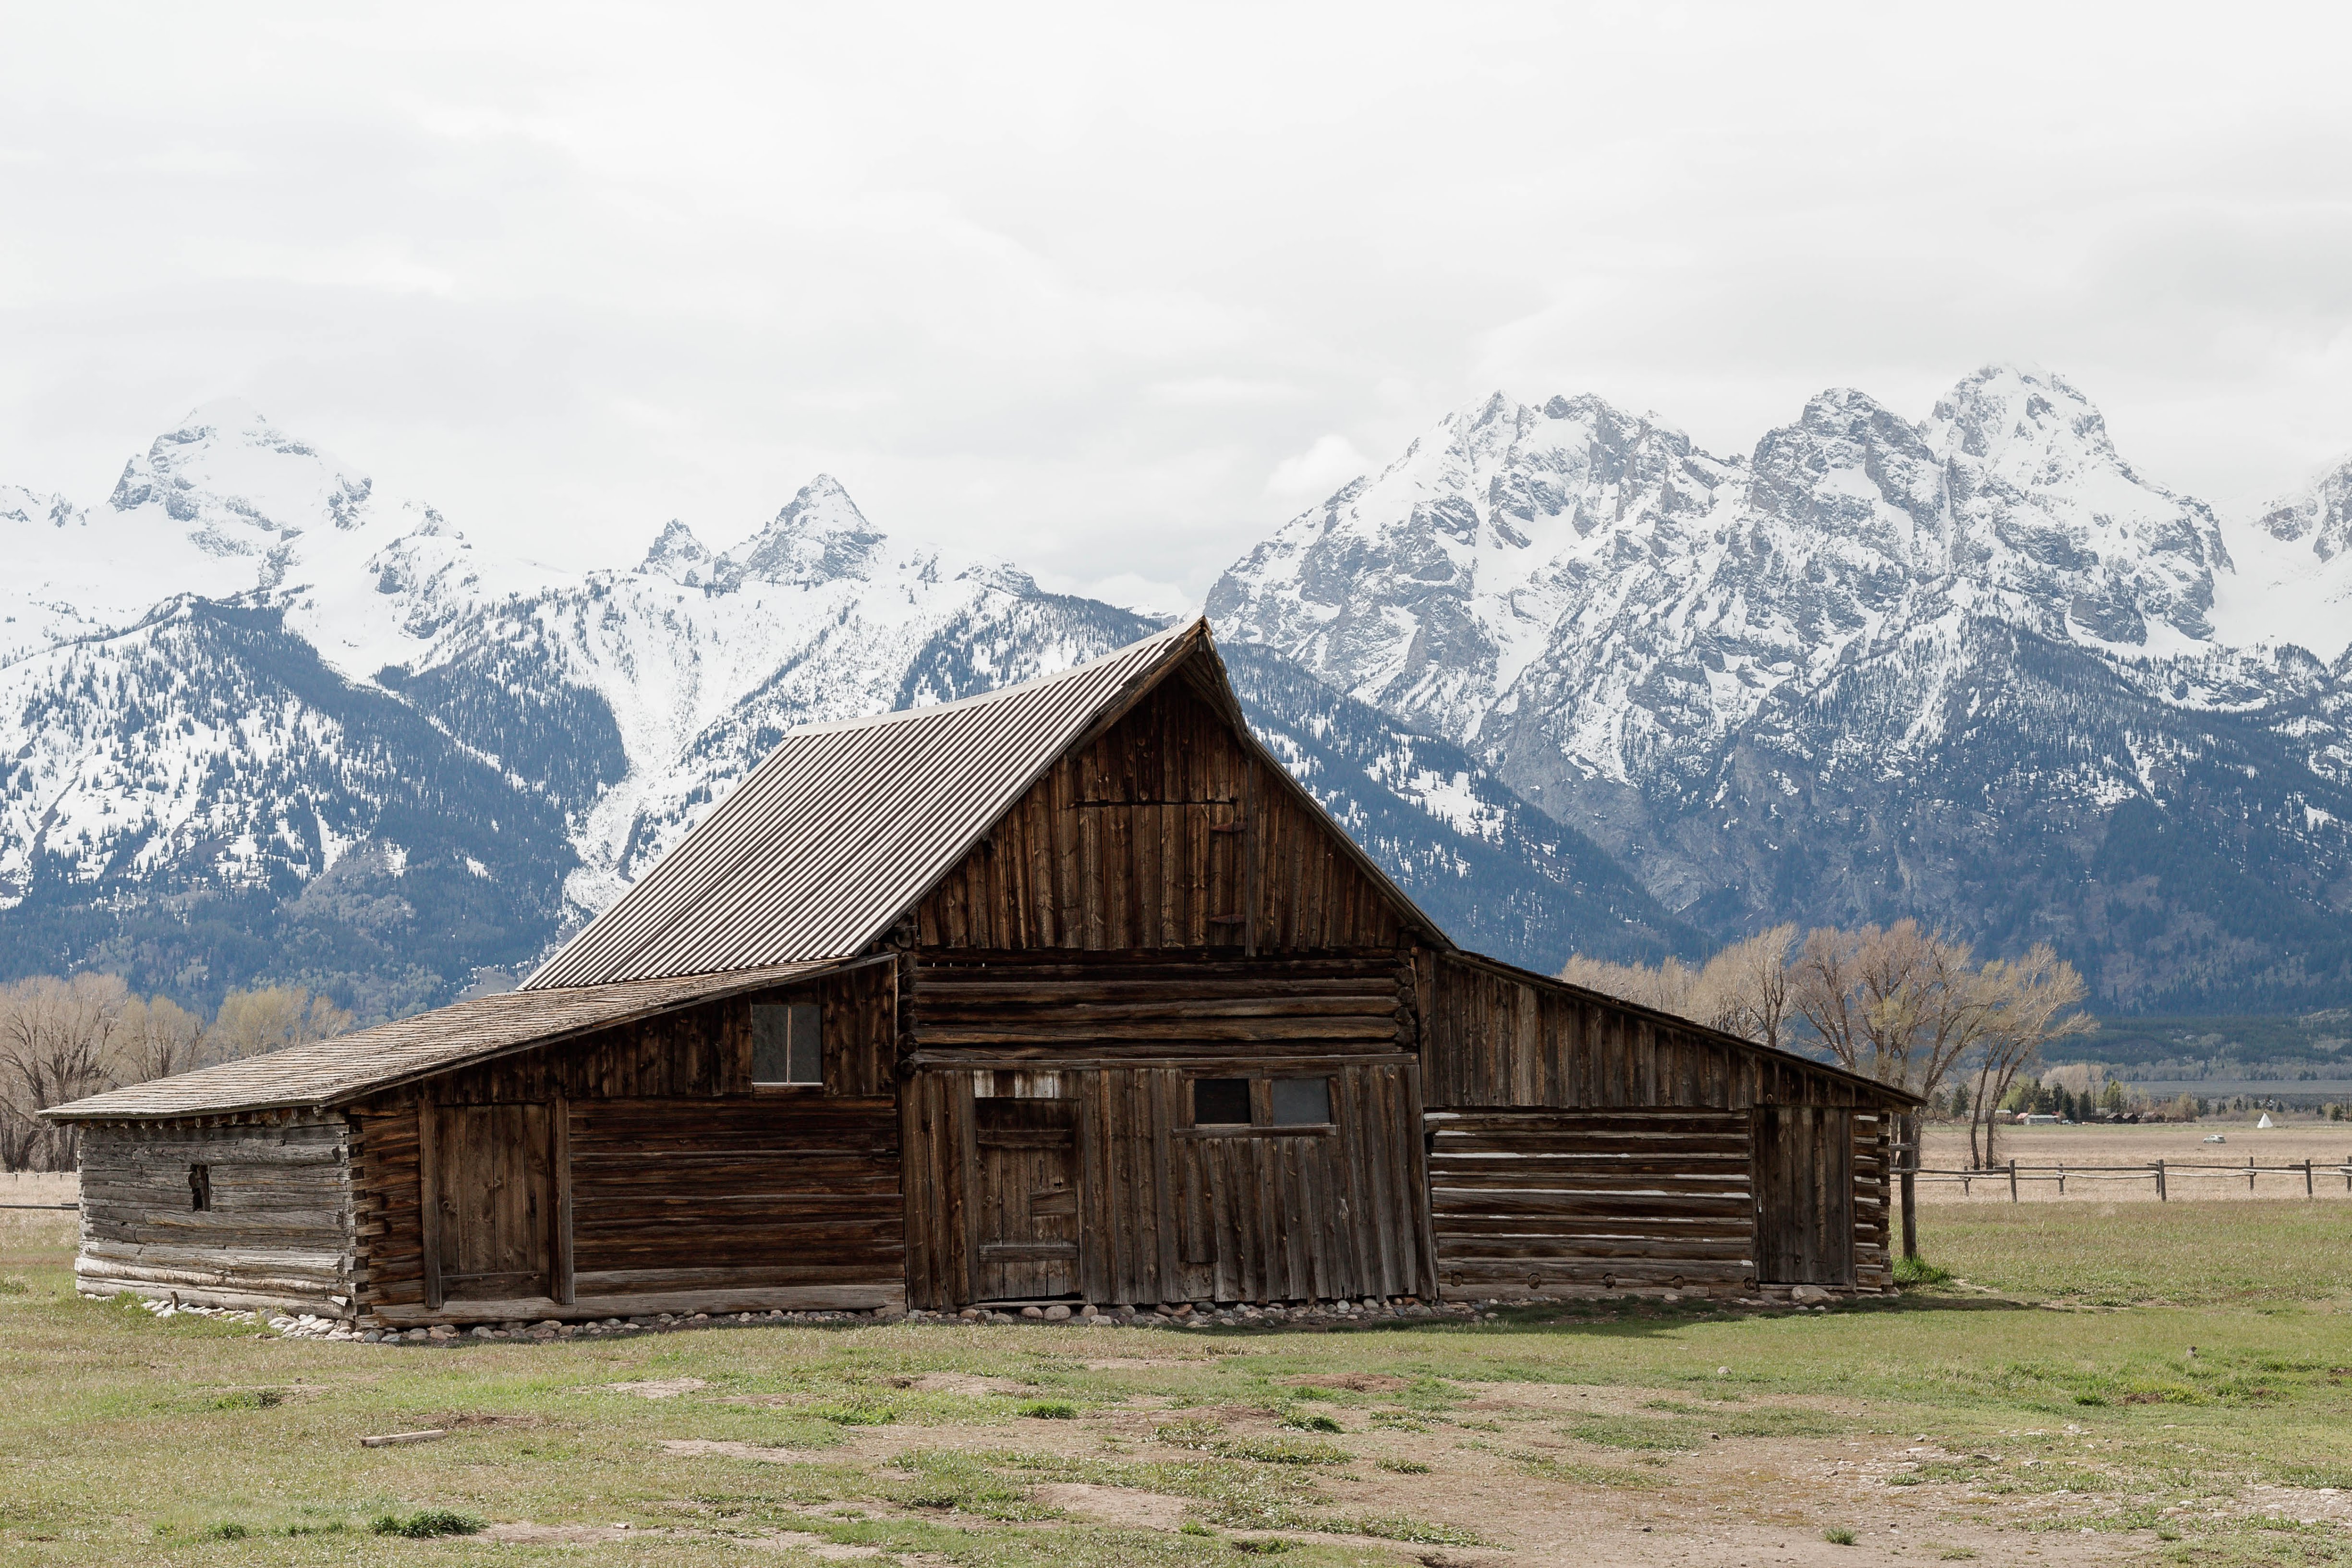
(1302, 1102)
(200, 1186)
(1220, 1101)
(788, 1044)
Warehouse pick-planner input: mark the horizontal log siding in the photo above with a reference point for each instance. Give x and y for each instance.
(277, 1233)
(1581, 1202)
(1577, 1203)
(1026, 1005)
(694, 1066)
(1495, 1039)
(1161, 832)
(672, 1195)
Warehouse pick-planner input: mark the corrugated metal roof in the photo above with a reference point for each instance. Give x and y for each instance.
(845, 826)
(367, 1061)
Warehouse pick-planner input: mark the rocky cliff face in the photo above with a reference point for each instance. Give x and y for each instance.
(1956, 667)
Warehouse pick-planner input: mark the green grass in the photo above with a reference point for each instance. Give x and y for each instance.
(127, 1439)
(2247, 1253)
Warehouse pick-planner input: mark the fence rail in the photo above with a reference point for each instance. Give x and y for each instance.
(2163, 1172)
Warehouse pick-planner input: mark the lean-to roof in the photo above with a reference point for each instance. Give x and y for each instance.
(368, 1061)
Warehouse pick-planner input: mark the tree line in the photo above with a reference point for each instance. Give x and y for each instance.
(1901, 1003)
(62, 1039)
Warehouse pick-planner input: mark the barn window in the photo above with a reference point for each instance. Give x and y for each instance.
(788, 1044)
(200, 1186)
(1220, 1101)
(1302, 1102)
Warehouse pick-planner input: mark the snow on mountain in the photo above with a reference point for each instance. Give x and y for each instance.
(226, 506)
(2294, 584)
(258, 719)
(1680, 653)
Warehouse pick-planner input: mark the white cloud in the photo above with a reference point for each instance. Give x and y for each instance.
(1323, 467)
(1058, 292)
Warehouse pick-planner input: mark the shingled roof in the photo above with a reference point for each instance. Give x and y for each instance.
(329, 1072)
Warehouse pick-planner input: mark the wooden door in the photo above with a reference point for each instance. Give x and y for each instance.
(1025, 1195)
(1804, 1194)
(491, 1203)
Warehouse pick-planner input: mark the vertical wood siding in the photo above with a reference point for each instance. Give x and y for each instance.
(1159, 834)
(1168, 1213)
(277, 1234)
(1496, 1039)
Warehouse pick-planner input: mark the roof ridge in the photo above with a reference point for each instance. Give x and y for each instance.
(983, 699)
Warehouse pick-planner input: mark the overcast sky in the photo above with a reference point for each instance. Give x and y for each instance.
(1113, 294)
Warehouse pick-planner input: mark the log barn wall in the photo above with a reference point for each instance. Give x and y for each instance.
(674, 1182)
(1582, 1146)
(276, 1230)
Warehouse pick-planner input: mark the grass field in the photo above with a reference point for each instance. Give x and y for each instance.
(2052, 1409)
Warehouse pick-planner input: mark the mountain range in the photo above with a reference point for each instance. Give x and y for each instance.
(260, 721)
(1977, 667)
(1578, 684)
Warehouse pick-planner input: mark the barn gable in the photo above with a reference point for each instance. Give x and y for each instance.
(1171, 828)
(847, 827)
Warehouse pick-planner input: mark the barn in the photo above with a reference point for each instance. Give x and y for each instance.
(1068, 991)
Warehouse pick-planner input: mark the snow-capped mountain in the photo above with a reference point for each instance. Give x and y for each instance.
(1818, 681)
(258, 719)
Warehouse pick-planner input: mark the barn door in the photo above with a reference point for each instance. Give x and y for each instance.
(1804, 1194)
(490, 1218)
(1027, 1196)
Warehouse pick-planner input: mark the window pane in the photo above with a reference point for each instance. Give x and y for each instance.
(808, 1043)
(1220, 1101)
(1302, 1102)
(770, 1041)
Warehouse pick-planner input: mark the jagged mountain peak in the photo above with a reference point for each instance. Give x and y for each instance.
(2319, 515)
(236, 485)
(819, 536)
(2015, 417)
(21, 509)
(679, 555)
(2293, 577)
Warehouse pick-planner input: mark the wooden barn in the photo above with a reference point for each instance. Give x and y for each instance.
(1065, 993)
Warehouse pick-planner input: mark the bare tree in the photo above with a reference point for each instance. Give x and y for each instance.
(55, 1040)
(2029, 1002)
(1896, 1004)
(156, 1038)
(1742, 990)
(270, 1018)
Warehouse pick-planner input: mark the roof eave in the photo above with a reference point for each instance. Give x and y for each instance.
(744, 981)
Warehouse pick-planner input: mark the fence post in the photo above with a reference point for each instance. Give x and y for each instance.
(2013, 1178)
(2250, 1172)
(2159, 1182)
(2061, 1178)
(1907, 1152)
(2308, 1190)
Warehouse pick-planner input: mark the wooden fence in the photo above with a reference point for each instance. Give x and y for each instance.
(2163, 1172)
